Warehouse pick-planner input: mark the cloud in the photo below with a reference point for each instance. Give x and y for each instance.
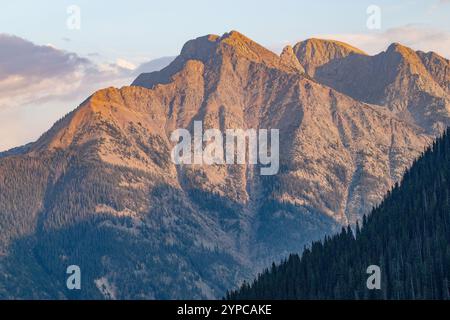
(125, 64)
(31, 73)
(153, 65)
(41, 83)
(436, 6)
(418, 37)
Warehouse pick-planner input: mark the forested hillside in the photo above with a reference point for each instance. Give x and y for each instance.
(407, 236)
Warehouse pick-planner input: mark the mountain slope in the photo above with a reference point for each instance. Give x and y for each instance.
(414, 85)
(99, 188)
(407, 236)
(314, 53)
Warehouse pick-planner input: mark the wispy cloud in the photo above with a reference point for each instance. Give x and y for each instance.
(125, 64)
(40, 83)
(31, 73)
(418, 37)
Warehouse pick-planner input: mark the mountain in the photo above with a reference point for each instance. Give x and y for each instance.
(414, 85)
(407, 236)
(99, 189)
(314, 53)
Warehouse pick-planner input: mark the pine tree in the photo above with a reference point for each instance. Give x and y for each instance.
(407, 236)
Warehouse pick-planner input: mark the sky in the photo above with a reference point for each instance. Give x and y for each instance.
(53, 54)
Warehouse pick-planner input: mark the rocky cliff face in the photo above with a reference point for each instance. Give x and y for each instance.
(99, 189)
(314, 53)
(414, 85)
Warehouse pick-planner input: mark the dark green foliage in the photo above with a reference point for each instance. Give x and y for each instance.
(23, 181)
(49, 220)
(285, 228)
(407, 235)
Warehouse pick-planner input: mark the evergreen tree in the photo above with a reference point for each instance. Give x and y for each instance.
(407, 236)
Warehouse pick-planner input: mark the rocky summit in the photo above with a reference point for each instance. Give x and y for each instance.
(99, 189)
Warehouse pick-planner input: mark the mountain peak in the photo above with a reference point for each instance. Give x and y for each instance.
(204, 47)
(313, 53)
(236, 44)
(210, 49)
(327, 43)
(401, 49)
(199, 48)
(397, 53)
(235, 35)
(396, 46)
(288, 57)
(407, 54)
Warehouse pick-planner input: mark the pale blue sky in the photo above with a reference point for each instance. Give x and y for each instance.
(139, 30)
